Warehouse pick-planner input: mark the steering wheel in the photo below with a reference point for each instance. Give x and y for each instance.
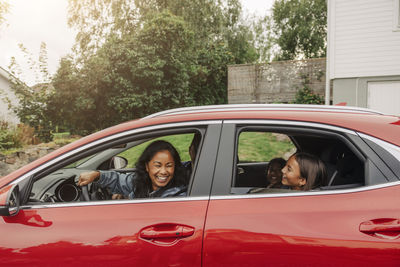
(85, 192)
(92, 192)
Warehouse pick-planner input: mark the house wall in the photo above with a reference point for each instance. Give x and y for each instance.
(363, 47)
(364, 39)
(354, 91)
(5, 113)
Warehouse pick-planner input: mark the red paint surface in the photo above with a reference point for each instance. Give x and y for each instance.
(106, 235)
(301, 230)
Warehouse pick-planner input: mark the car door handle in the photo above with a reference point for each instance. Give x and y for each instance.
(384, 228)
(166, 231)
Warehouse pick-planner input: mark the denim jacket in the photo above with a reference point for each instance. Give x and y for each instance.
(122, 183)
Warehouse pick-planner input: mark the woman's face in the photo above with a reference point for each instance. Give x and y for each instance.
(274, 175)
(291, 174)
(161, 169)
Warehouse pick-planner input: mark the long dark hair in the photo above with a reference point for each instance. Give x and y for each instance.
(142, 184)
(312, 169)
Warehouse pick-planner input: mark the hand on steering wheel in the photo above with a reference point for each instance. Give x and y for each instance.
(85, 179)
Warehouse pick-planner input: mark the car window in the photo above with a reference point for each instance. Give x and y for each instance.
(262, 156)
(61, 185)
(263, 146)
(180, 141)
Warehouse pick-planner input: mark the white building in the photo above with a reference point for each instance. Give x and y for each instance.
(5, 92)
(364, 53)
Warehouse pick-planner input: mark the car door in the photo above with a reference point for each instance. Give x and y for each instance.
(144, 232)
(355, 226)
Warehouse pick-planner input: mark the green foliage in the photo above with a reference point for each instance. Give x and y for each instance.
(306, 96)
(64, 138)
(137, 58)
(9, 137)
(262, 37)
(300, 28)
(32, 102)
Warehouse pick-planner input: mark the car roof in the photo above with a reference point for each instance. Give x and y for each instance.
(261, 107)
(367, 121)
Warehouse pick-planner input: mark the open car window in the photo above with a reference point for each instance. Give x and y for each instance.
(346, 166)
(180, 141)
(60, 186)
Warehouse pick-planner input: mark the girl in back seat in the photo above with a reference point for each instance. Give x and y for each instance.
(303, 172)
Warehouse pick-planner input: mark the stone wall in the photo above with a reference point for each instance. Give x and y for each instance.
(14, 161)
(275, 82)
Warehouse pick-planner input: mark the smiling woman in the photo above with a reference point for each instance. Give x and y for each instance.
(159, 172)
(160, 169)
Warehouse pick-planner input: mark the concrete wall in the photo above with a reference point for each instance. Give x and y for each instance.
(275, 82)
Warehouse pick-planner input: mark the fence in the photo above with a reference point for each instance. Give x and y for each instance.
(275, 82)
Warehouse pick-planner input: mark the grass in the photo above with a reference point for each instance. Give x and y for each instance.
(253, 147)
(263, 146)
(180, 141)
(9, 151)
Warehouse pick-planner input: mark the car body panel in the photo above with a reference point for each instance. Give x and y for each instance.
(217, 226)
(300, 230)
(102, 234)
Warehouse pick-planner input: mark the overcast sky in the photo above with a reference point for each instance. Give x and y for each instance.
(32, 22)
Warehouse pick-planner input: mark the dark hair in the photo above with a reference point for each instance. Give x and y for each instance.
(280, 161)
(142, 184)
(195, 142)
(312, 169)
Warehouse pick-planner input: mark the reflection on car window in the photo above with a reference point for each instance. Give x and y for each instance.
(79, 162)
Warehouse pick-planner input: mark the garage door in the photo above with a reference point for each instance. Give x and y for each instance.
(384, 96)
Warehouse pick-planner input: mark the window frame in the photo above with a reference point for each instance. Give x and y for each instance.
(117, 139)
(350, 138)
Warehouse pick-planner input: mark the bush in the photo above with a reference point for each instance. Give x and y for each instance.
(8, 137)
(307, 96)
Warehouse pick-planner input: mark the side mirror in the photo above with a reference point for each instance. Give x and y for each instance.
(119, 162)
(9, 200)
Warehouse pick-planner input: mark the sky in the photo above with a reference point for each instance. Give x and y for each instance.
(32, 22)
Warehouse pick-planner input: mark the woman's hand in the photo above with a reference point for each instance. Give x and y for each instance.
(117, 196)
(86, 178)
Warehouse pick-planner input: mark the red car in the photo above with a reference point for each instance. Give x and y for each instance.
(227, 217)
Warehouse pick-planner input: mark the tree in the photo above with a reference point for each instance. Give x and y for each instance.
(32, 102)
(136, 58)
(300, 27)
(128, 77)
